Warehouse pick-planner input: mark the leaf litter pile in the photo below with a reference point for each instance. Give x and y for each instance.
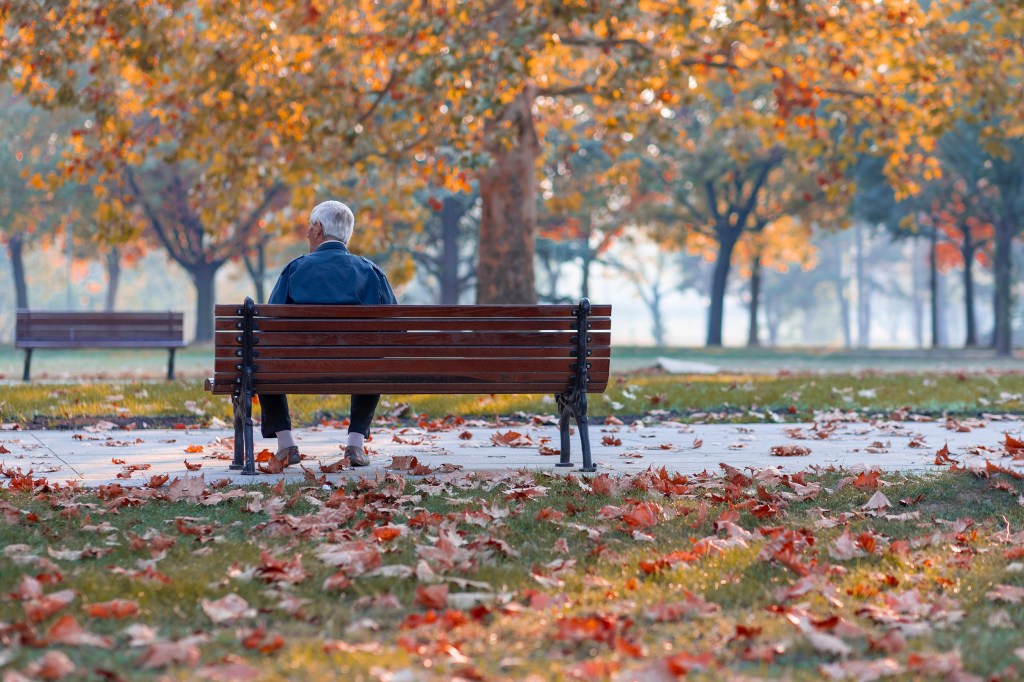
(738, 574)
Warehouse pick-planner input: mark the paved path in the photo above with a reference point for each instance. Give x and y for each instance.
(98, 454)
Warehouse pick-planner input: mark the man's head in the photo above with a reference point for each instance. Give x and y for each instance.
(330, 220)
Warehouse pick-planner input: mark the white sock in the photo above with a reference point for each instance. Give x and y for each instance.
(284, 440)
(355, 438)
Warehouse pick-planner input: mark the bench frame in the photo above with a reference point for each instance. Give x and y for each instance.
(24, 339)
(572, 403)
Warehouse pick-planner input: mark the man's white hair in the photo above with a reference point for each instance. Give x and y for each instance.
(336, 219)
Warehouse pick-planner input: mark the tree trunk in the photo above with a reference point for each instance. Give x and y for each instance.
(258, 270)
(753, 337)
(657, 319)
(933, 288)
(204, 278)
(112, 260)
(452, 211)
(508, 189)
(727, 238)
(15, 251)
(863, 295)
(970, 316)
(1003, 272)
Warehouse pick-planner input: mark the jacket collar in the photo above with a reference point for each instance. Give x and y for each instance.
(332, 245)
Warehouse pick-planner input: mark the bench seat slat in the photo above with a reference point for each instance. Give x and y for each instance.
(411, 323)
(391, 366)
(475, 388)
(498, 353)
(100, 343)
(400, 339)
(294, 310)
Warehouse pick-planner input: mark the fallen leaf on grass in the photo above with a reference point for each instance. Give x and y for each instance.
(162, 654)
(790, 450)
(227, 609)
(353, 558)
(432, 596)
(115, 608)
(877, 502)
(67, 631)
(43, 607)
(1012, 594)
(683, 663)
(54, 665)
(262, 641)
(862, 671)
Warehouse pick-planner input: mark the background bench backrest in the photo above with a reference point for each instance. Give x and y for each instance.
(405, 349)
(82, 328)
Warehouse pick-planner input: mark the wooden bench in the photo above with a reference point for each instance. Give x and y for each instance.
(415, 349)
(43, 329)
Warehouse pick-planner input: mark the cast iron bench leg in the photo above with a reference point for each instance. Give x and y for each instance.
(28, 364)
(239, 460)
(170, 365)
(581, 421)
(564, 459)
(250, 456)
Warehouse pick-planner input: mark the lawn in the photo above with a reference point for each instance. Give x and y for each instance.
(518, 576)
(522, 576)
(694, 398)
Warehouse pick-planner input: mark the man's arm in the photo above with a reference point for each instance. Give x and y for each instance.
(280, 292)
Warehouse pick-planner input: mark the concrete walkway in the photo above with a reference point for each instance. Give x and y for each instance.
(99, 454)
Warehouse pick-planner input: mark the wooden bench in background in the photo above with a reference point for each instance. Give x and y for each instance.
(412, 349)
(80, 329)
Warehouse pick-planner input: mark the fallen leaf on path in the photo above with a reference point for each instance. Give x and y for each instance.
(790, 450)
(193, 467)
(512, 439)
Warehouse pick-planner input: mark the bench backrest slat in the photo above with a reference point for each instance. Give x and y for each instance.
(78, 328)
(413, 349)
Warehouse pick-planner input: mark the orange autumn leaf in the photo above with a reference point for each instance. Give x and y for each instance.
(115, 608)
(157, 480)
(192, 449)
(432, 596)
(386, 533)
(262, 641)
(193, 467)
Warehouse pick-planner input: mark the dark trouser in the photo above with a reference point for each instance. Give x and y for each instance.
(276, 417)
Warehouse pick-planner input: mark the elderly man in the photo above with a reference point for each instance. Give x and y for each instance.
(329, 274)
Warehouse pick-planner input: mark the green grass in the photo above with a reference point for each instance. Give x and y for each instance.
(719, 397)
(952, 557)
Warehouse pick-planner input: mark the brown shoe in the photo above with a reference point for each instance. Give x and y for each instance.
(289, 455)
(357, 457)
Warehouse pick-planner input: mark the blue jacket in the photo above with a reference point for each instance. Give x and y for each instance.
(332, 275)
